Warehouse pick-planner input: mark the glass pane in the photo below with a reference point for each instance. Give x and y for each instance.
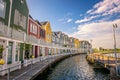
(1, 51)
(9, 61)
(2, 8)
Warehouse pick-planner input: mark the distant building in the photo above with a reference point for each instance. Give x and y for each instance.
(71, 42)
(76, 43)
(85, 46)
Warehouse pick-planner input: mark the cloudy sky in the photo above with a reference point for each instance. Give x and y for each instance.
(82, 19)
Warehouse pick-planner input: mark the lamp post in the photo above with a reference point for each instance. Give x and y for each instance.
(114, 36)
(91, 46)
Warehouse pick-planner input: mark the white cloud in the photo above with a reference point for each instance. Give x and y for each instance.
(69, 20)
(100, 32)
(106, 7)
(86, 19)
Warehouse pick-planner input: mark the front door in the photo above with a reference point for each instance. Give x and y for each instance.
(36, 51)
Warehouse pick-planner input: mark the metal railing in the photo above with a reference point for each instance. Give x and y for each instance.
(47, 58)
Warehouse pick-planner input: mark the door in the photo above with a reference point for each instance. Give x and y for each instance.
(36, 51)
(21, 52)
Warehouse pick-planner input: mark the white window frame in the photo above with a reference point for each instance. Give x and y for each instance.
(2, 8)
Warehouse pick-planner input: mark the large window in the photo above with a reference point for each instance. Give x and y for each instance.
(33, 28)
(19, 19)
(2, 8)
(1, 51)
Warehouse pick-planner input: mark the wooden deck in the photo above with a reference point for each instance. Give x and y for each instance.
(106, 62)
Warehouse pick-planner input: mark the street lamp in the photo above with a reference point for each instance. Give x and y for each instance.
(114, 27)
(91, 46)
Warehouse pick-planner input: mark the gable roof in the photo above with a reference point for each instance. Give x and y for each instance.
(44, 23)
(38, 22)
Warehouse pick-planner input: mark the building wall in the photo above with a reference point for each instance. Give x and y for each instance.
(48, 30)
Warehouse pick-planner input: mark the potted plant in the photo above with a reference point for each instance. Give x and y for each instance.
(1, 51)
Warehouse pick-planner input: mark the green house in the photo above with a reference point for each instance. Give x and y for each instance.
(13, 26)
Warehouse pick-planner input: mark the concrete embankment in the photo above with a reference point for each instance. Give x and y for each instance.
(44, 71)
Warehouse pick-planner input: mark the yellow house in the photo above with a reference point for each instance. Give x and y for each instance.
(76, 43)
(46, 26)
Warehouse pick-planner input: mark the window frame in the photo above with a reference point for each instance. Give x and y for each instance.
(4, 10)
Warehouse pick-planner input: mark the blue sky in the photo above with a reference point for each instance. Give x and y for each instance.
(58, 12)
(83, 19)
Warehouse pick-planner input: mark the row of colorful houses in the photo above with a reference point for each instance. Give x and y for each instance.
(22, 37)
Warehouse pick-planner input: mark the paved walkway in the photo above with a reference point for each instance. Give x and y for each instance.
(26, 73)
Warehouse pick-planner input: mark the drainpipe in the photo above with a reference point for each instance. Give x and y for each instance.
(9, 20)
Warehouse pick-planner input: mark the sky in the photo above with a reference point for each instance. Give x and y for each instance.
(82, 19)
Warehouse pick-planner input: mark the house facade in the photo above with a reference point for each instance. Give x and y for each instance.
(13, 28)
(46, 26)
(85, 46)
(76, 43)
(71, 42)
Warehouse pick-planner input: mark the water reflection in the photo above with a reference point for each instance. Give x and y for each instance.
(76, 68)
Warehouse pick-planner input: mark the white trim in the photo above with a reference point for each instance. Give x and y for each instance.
(9, 39)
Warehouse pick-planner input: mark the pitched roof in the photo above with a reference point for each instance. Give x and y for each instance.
(38, 22)
(30, 16)
(44, 23)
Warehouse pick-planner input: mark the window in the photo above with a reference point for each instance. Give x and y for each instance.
(16, 17)
(33, 28)
(30, 27)
(2, 8)
(1, 51)
(9, 58)
(19, 19)
(17, 51)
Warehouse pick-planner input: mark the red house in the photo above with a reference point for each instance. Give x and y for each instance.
(33, 27)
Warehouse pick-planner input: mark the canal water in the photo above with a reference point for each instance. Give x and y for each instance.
(76, 68)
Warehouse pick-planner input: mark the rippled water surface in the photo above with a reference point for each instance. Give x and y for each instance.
(76, 68)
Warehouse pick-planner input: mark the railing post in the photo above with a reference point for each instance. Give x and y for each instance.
(31, 63)
(31, 66)
(102, 59)
(108, 60)
(98, 59)
(8, 75)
